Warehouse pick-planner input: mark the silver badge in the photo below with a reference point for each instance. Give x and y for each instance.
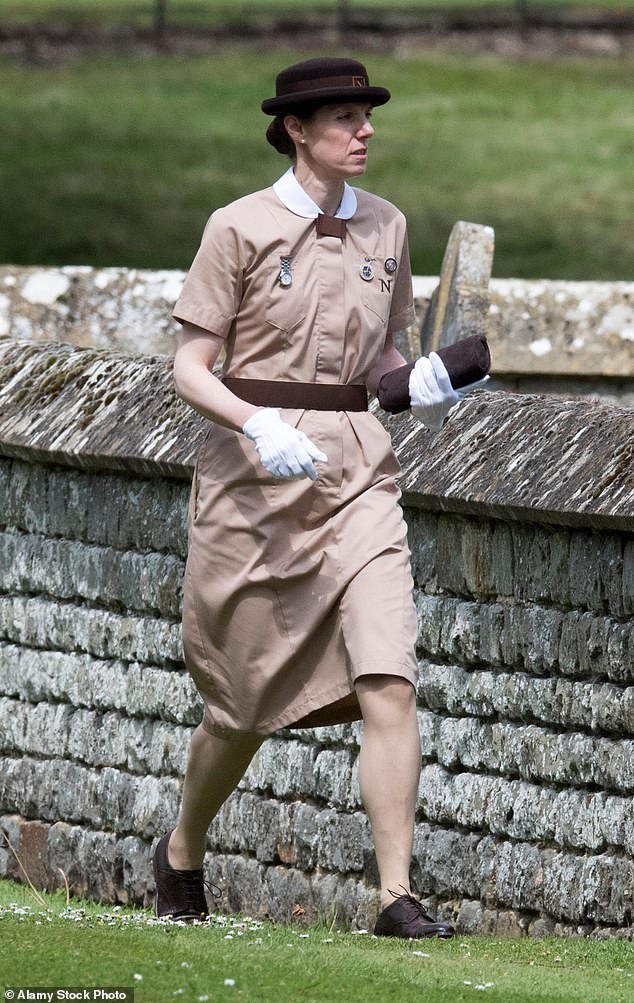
(390, 265)
(366, 271)
(285, 277)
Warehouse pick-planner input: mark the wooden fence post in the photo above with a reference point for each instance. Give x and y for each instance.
(160, 22)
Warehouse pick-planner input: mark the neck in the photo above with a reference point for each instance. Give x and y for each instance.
(326, 193)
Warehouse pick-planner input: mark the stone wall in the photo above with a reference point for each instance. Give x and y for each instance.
(545, 336)
(521, 514)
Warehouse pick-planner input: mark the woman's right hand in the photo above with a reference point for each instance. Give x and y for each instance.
(283, 450)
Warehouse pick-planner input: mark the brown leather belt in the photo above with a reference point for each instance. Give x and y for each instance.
(308, 396)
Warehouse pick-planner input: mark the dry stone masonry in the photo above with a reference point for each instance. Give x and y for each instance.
(521, 519)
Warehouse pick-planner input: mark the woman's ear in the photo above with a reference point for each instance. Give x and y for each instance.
(294, 128)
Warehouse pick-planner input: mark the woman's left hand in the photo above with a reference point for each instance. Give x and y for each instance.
(431, 393)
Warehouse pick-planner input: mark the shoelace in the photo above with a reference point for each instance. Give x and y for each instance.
(416, 905)
(191, 882)
(194, 894)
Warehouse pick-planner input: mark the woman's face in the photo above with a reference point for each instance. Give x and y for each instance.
(334, 142)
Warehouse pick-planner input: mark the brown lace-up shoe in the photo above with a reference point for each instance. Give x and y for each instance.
(406, 918)
(180, 895)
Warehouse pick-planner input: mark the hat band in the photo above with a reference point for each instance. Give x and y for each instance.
(319, 83)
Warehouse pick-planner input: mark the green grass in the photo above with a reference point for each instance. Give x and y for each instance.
(120, 161)
(92, 945)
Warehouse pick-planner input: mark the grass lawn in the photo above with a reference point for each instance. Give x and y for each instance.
(231, 958)
(119, 161)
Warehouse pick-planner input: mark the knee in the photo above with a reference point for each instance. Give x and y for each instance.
(231, 745)
(386, 699)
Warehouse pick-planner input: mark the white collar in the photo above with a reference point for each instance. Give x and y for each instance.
(292, 195)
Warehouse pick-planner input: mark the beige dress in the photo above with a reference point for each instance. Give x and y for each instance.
(295, 588)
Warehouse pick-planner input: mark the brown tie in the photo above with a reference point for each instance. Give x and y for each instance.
(330, 226)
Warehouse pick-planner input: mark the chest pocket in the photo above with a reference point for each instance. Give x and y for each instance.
(377, 292)
(285, 306)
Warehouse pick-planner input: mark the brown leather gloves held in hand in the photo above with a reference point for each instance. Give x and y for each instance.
(466, 362)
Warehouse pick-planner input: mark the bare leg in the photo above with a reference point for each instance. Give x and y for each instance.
(389, 770)
(214, 768)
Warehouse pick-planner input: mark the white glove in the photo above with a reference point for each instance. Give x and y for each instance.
(431, 393)
(283, 450)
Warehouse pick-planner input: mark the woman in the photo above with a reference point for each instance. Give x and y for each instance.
(298, 594)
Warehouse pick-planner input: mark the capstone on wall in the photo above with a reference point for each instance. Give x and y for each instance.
(520, 514)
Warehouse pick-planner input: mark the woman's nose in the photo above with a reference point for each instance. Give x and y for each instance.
(366, 130)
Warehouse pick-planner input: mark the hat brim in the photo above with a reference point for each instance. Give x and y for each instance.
(372, 95)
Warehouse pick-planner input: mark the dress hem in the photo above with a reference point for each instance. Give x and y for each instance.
(308, 715)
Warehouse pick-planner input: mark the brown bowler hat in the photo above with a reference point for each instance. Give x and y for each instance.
(327, 80)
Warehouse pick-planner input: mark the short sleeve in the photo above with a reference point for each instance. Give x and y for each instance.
(212, 290)
(402, 314)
